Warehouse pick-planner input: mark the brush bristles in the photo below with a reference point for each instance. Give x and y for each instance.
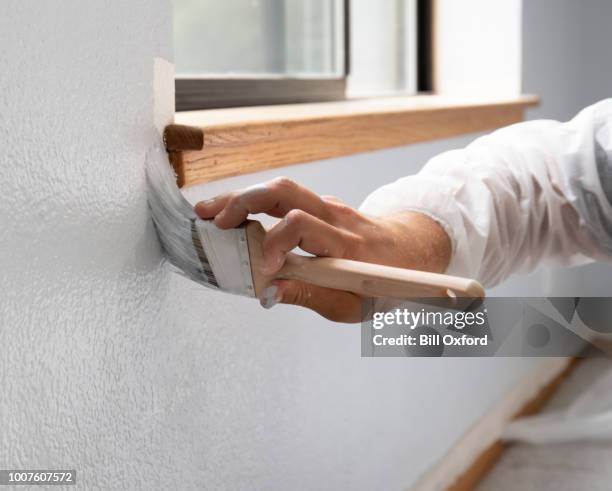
(206, 270)
(174, 221)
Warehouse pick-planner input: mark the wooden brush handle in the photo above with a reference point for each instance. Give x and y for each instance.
(375, 280)
(366, 279)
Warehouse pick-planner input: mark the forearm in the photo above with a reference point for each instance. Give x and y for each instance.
(415, 241)
(514, 198)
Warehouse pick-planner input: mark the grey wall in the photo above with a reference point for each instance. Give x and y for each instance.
(140, 379)
(566, 55)
(566, 60)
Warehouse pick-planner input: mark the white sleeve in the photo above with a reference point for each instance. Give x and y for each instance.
(534, 191)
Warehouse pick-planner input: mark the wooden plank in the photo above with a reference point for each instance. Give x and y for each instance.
(239, 141)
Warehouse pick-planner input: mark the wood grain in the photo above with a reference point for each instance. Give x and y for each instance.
(242, 140)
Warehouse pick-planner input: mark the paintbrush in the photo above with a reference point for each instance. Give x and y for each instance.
(229, 260)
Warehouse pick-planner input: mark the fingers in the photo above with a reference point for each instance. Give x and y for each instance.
(276, 198)
(335, 305)
(211, 207)
(332, 199)
(299, 229)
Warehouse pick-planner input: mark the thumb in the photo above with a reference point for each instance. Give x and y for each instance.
(335, 305)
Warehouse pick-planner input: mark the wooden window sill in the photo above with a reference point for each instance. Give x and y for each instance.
(216, 143)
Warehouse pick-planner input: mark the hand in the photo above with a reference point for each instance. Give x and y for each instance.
(325, 226)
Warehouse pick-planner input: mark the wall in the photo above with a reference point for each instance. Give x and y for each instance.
(567, 61)
(478, 47)
(140, 379)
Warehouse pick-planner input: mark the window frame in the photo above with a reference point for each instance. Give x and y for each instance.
(196, 93)
(215, 93)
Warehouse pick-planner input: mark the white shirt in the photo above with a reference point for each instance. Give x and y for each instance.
(532, 192)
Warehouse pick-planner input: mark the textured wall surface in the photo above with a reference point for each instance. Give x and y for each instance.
(137, 378)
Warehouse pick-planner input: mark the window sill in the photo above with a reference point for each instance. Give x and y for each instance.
(216, 143)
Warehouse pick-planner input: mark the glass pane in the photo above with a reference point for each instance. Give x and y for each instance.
(383, 47)
(296, 38)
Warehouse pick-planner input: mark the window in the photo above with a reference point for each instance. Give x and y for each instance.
(258, 52)
(232, 53)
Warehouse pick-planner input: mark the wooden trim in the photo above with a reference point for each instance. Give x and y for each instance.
(242, 140)
(485, 461)
(532, 394)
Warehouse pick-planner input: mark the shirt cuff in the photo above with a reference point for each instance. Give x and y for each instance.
(434, 196)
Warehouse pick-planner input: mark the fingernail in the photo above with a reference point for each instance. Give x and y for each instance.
(270, 297)
(207, 202)
(202, 206)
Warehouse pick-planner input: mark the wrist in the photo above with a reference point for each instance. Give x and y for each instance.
(420, 241)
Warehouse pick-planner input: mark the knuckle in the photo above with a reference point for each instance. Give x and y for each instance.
(342, 213)
(283, 182)
(296, 217)
(233, 199)
(300, 295)
(303, 295)
(344, 209)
